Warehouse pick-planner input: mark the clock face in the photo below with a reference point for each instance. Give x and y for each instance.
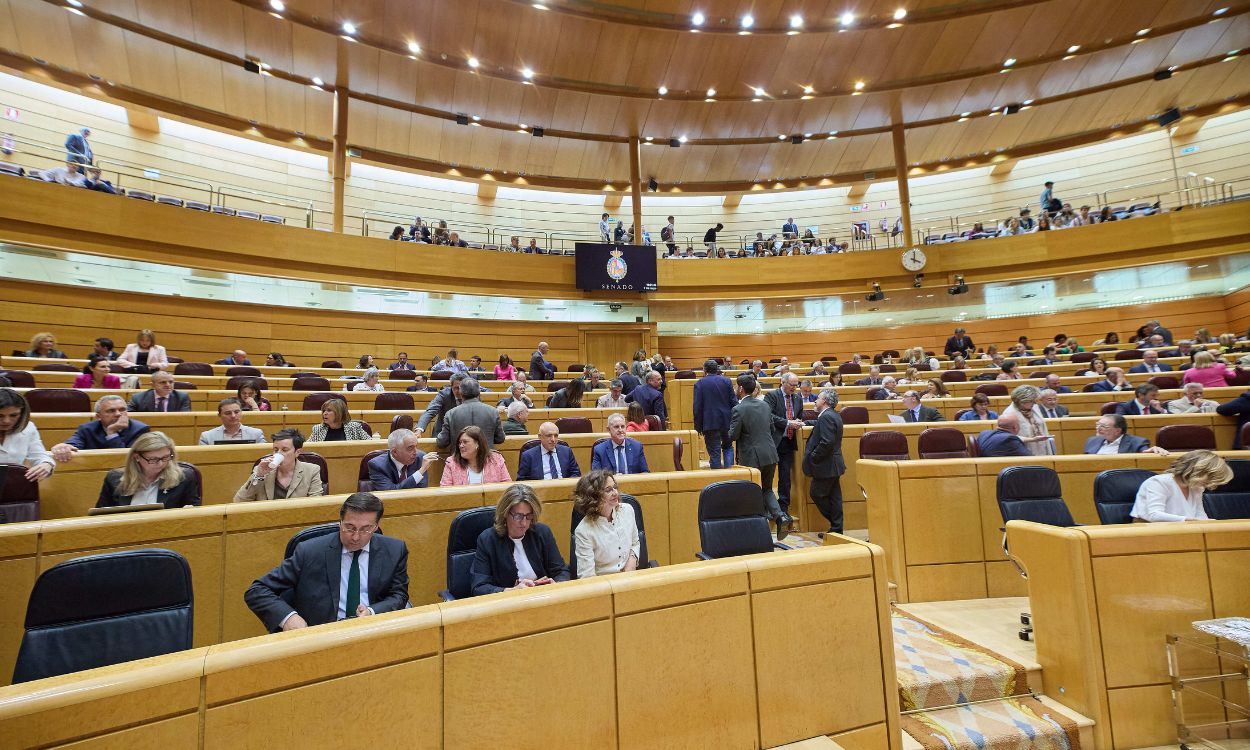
(914, 259)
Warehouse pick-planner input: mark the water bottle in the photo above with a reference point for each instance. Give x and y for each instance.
(377, 436)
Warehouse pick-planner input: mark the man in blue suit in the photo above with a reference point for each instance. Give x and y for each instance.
(1115, 381)
(1145, 401)
(403, 467)
(77, 149)
(714, 401)
(111, 428)
(648, 394)
(621, 454)
(540, 368)
(550, 460)
(629, 381)
(1003, 441)
(1150, 364)
(1240, 408)
(1112, 437)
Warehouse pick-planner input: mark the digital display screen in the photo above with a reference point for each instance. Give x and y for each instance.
(615, 268)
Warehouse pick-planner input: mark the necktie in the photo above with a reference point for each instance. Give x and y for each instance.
(551, 466)
(407, 472)
(620, 460)
(160, 403)
(353, 586)
(915, 414)
(789, 414)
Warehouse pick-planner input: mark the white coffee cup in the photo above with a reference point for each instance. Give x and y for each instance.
(276, 460)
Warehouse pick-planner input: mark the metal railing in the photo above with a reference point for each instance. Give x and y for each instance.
(269, 199)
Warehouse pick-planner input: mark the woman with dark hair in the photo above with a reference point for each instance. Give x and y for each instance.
(366, 361)
(397, 233)
(568, 397)
(607, 536)
(20, 442)
(251, 396)
(505, 370)
(1009, 371)
(635, 418)
(337, 424)
(1097, 366)
(473, 461)
(277, 360)
(935, 389)
(980, 409)
(517, 552)
(281, 474)
(97, 374)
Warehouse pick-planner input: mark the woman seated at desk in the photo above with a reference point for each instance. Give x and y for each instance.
(473, 462)
(337, 424)
(20, 442)
(607, 536)
(289, 477)
(151, 475)
(517, 552)
(1176, 495)
(98, 374)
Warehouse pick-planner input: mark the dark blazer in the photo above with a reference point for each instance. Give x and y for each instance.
(754, 429)
(383, 475)
(512, 427)
(1165, 333)
(1132, 408)
(91, 436)
(629, 382)
(559, 400)
(146, 401)
(230, 361)
(1163, 367)
(494, 568)
(714, 401)
(1063, 389)
(997, 442)
(312, 575)
(400, 366)
(1060, 411)
(442, 403)
(958, 344)
(823, 457)
(603, 456)
(869, 381)
(1102, 385)
(471, 412)
(186, 492)
(77, 146)
(652, 401)
(540, 368)
(927, 414)
(531, 468)
(776, 401)
(1128, 444)
(1240, 408)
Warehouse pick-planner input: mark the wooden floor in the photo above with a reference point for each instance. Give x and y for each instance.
(992, 623)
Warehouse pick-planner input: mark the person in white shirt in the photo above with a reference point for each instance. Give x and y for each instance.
(70, 174)
(19, 438)
(613, 398)
(370, 383)
(607, 536)
(605, 229)
(1192, 402)
(1176, 495)
(230, 411)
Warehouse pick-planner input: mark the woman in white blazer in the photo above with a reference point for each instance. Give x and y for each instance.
(291, 478)
(19, 438)
(145, 352)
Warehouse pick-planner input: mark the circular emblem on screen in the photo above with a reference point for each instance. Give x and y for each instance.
(617, 267)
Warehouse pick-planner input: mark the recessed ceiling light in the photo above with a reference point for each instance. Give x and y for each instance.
(414, 48)
(807, 135)
(748, 21)
(1144, 32)
(648, 139)
(477, 118)
(682, 138)
(317, 81)
(663, 90)
(78, 12)
(697, 19)
(833, 134)
(781, 137)
(473, 63)
(1009, 62)
(277, 5)
(847, 19)
(711, 92)
(796, 21)
(1027, 102)
(1073, 48)
(527, 73)
(540, 6)
(900, 14)
(1220, 12)
(859, 85)
(759, 91)
(349, 27)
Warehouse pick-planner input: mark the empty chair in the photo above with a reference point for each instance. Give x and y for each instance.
(401, 422)
(685, 375)
(654, 424)
(314, 401)
(332, 364)
(992, 389)
(1223, 506)
(317, 383)
(394, 402)
(362, 475)
(19, 378)
(193, 368)
(954, 376)
(1165, 382)
(1083, 357)
(271, 219)
(197, 206)
(577, 368)
(402, 375)
(732, 521)
(1129, 354)
(1032, 493)
(19, 497)
(1240, 378)
(440, 375)
(167, 200)
(106, 609)
(45, 400)
(679, 448)
(242, 370)
(942, 442)
(182, 385)
(466, 527)
(11, 169)
(887, 368)
(555, 385)
(1109, 407)
(849, 368)
(854, 415)
(883, 445)
(56, 367)
(570, 425)
(1185, 437)
(644, 560)
(1115, 491)
(140, 195)
(233, 384)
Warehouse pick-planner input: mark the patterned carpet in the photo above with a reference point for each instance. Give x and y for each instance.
(1008, 724)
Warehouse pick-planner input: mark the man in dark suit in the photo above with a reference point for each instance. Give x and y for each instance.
(1150, 364)
(1048, 402)
(356, 572)
(1112, 437)
(822, 461)
(471, 411)
(629, 381)
(540, 368)
(621, 454)
(648, 394)
(161, 397)
(1054, 383)
(237, 359)
(873, 378)
(1145, 401)
(960, 343)
(401, 363)
(1004, 440)
(420, 384)
(112, 428)
(1049, 356)
(103, 347)
(1115, 381)
(755, 429)
(549, 459)
(1153, 328)
(786, 403)
(403, 467)
(914, 411)
(714, 401)
(1240, 408)
(446, 400)
(77, 149)
(790, 230)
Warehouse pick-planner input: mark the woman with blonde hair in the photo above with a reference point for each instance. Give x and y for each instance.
(1208, 371)
(151, 475)
(1033, 431)
(1203, 336)
(1176, 495)
(517, 552)
(43, 344)
(144, 355)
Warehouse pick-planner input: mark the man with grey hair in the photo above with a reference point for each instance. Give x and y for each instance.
(787, 405)
(402, 467)
(518, 413)
(1192, 402)
(1055, 383)
(471, 411)
(615, 397)
(161, 397)
(1048, 402)
(822, 461)
(914, 411)
(111, 428)
(887, 390)
(78, 149)
(446, 400)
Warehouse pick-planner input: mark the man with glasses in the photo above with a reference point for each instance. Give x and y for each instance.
(354, 573)
(1112, 437)
(619, 453)
(111, 428)
(161, 396)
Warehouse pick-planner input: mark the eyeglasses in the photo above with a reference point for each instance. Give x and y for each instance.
(158, 460)
(519, 517)
(361, 531)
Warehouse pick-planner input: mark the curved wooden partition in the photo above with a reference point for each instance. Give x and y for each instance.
(1103, 599)
(691, 656)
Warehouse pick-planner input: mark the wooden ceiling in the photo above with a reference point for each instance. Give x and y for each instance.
(597, 67)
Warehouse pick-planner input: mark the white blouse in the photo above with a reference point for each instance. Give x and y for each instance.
(363, 386)
(1031, 425)
(604, 546)
(25, 448)
(1160, 499)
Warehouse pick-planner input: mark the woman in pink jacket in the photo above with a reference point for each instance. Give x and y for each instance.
(505, 371)
(1207, 371)
(144, 353)
(96, 375)
(473, 461)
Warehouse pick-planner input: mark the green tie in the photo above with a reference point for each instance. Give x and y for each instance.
(353, 586)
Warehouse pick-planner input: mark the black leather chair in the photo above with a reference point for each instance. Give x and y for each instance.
(19, 378)
(644, 561)
(393, 402)
(732, 521)
(1231, 500)
(106, 609)
(238, 381)
(1115, 491)
(312, 532)
(362, 475)
(402, 422)
(466, 527)
(19, 497)
(1030, 493)
(942, 442)
(58, 400)
(193, 368)
(242, 371)
(314, 401)
(310, 384)
(574, 425)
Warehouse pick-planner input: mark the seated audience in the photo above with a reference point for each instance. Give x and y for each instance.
(337, 424)
(475, 364)
(635, 420)
(594, 379)
(111, 428)
(151, 475)
(449, 363)
(1115, 381)
(237, 359)
(69, 174)
(517, 552)
(614, 398)
(516, 392)
(370, 382)
(1009, 371)
(420, 384)
(805, 392)
(403, 466)
(1176, 495)
(401, 363)
(161, 396)
(523, 379)
(873, 377)
(365, 361)
(607, 536)
(250, 395)
(354, 573)
(914, 411)
(935, 388)
(549, 459)
(103, 347)
(1110, 339)
(1192, 401)
(621, 454)
(1145, 401)
(230, 412)
(95, 181)
(1111, 436)
(96, 374)
(979, 409)
(518, 414)
(1209, 372)
(44, 345)
(570, 396)
(20, 442)
(1150, 363)
(1048, 402)
(275, 359)
(144, 355)
(473, 461)
(505, 370)
(1003, 440)
(397, 233)
(282, 475)
(818, 369)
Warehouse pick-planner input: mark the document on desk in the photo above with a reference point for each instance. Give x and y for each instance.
(896, 418)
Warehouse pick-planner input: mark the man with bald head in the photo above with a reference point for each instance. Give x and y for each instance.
(549, 459)
(1115, 381)
(1055, 383)
(540, 368)
(238, 359)
(1150, 364)
(1004, 440)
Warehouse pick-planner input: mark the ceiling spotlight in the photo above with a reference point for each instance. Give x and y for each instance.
(1027, 102)
(759, 91)
(859, 85)
(1074, 48)
(1009, 62)
(277, 5)
(847, 19)
(477, 118)
(833, 134)
(796, 21)
(965, 114)
(781, 137)
(748, 21)
(648, 139)
(78, 12)
(539, 6)
(317, 81)
(349, 28)
(527, 73)
(663, 90)
(682, 139)
(473, 63)
(1220, 12)
(711, 92)
(809, 90)
(414, 48)
(697, 19)
(900, 14)
(1144, 32)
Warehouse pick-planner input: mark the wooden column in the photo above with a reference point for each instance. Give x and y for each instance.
(635, 184)
(338, 160)
(900, 174)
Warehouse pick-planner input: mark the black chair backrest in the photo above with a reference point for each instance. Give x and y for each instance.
(1115, 491)
(193, 368)
(643, 559)
(402, 422)
(316, 459)
(312, 532)
(106, 609)
(242, 371)
(310, 384)
(1241, 476)
(466, 527)
(59, 400)
(732, 520)
(393, 401)
(1225, 505)
(314, 401)
(854, 415)
(19, 497)
(56, 367)
(1032, 493)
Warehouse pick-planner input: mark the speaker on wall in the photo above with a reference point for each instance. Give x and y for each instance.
(1168, 117)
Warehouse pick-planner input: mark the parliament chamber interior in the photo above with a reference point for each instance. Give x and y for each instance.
(971, 474)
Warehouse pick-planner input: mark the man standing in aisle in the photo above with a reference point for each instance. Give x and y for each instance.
(823, 462)
(714, 401)
(787, 405)
(755, 428)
